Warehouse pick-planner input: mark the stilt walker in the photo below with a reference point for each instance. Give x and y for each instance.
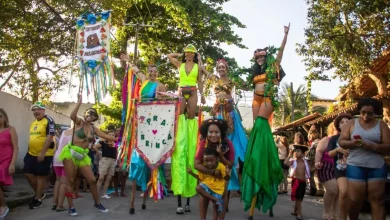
(139, 90)
(262, 171)
(190, 72)
(225, 108)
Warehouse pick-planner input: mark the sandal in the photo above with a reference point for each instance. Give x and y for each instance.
(299, 218)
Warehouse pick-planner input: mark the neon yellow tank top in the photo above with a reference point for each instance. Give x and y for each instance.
(190, 79)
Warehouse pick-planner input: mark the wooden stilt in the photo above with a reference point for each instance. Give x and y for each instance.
(252, 209)
(133, 192)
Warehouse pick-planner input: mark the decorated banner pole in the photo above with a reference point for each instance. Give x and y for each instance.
(93, 47)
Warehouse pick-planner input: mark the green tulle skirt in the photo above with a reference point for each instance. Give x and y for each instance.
(183, 156)
(262, 170)
(66, 154)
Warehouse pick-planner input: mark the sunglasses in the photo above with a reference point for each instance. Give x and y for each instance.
(92, 113)
(368, 113)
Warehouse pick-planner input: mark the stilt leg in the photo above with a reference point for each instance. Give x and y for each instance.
(252, 209)
(133, 192)
(144, 199)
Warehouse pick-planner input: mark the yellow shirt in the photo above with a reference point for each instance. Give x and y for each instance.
(188, 80)
(39, 130)
(215, 184)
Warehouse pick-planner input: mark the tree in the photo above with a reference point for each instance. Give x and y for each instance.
(292, 104)
(41, 35)
(346, 36)
(36, 38)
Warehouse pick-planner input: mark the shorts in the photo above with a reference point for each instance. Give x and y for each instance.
(107, 166)
(340, 173)
(32, 166)
(326, 173)
(298, 189)
(167, 171)
(212, 193)
(60, 171)
(365, 174)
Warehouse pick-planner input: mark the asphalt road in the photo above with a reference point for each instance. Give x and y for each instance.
(163, 210)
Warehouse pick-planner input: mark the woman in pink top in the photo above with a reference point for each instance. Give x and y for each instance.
(325, 166)
(61, 185)
(9, 152)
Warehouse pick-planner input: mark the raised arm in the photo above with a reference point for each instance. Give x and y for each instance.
(173, 59)
(73, 114)
(281, 49)
(125, 57)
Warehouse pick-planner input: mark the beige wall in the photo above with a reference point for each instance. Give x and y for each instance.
(20, 116)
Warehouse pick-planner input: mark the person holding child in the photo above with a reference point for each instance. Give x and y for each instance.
(210, 187)
(300, 173)
(214, 135)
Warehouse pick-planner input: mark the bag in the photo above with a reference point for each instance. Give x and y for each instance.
(76, 155)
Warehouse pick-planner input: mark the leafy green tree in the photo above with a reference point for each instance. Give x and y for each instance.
(36, 37)
(346, 36)
(37, 43)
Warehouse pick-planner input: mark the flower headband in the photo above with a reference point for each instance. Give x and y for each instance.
(223, 61)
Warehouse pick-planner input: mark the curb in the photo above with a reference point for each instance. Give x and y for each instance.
(14, 203)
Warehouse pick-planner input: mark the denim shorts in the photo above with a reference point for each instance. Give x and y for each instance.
(365, 174)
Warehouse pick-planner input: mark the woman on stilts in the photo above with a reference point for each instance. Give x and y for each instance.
(190, 72)
(262, 170)
(139, 170)
(75, 154)
(224, 108)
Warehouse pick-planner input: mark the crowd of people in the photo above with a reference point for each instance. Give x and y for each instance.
(348, 162)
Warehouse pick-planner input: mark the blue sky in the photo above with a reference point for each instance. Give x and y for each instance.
(264, 20)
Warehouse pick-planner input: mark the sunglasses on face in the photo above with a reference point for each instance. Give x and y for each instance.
(368, 113)
(91, 113)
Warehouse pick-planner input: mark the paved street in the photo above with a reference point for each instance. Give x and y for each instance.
(163, 209)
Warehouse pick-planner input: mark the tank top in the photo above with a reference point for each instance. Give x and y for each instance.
(362, 157)
(190, 79)
(64, 140)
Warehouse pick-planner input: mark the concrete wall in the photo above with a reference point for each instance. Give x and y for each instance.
(20, 117)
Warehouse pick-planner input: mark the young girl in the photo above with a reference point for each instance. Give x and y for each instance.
(210, 187)
(300, 173)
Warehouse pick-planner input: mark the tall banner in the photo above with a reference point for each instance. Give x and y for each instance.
(93, 47)
(156, 127)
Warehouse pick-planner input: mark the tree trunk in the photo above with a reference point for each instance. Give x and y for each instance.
(292, 103)
(381, 85)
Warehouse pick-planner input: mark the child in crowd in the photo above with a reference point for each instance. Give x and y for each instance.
(299, 173)
(210, 187)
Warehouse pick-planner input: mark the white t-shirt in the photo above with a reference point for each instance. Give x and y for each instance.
(168, 160)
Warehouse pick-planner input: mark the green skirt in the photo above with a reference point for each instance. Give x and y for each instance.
(66, 154)
(262, 170)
